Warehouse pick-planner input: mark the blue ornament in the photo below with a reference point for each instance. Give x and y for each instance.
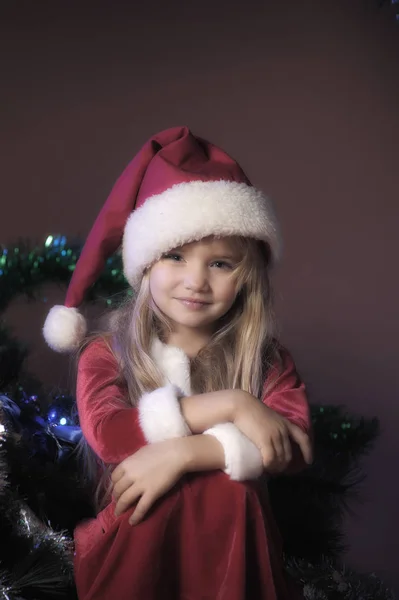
(62, 412)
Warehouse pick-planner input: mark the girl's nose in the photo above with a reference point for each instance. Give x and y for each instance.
(196, 278)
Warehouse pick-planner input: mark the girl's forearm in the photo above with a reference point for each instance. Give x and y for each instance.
(201, 453)
(203, 411)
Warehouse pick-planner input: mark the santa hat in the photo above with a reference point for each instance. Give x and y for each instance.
(179, 188)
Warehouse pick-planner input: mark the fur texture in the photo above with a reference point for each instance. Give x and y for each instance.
(242, 457)
(190, 211)
(173, 363)
(64, 328)
(160, 416)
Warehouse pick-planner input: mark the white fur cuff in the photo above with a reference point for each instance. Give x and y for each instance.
(242, 457)
(160, 415)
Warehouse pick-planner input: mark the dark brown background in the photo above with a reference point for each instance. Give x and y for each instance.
(305, 95)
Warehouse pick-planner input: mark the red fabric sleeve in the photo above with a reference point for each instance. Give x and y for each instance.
(287, 396)
(111, 428)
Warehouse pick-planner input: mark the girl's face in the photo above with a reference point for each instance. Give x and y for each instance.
(194, 285)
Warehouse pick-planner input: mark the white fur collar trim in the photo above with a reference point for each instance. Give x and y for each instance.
(173, 363)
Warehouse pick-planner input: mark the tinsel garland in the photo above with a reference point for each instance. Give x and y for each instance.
(35, 560)
(23, 270)
(41, 499)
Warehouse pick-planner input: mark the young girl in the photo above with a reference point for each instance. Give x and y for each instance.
(186, 398)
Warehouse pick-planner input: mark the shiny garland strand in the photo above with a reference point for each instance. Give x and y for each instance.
(24, 270)
(44, 568)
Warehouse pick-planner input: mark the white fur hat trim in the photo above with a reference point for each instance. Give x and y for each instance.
(191, 211)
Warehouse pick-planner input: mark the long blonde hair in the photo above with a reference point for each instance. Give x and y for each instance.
(238, 355)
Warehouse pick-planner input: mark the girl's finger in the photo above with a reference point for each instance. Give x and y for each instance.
(117, 473)
(274, 466)
(121, 486)
(268, 455)
(287, 448)
(142, 508)
(303, 441)
(278, 446)
(129, 497)
(280, 463)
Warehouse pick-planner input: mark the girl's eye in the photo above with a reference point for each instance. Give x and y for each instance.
(175, 257)
(220, 264)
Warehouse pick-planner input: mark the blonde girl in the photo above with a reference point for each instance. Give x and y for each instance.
(185, 397)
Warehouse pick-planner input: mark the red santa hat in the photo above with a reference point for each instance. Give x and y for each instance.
(179, 188)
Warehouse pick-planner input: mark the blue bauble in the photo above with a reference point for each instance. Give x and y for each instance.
(62, 411)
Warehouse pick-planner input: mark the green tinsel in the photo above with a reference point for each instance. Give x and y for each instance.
(24, 269)
(348, 433)
(327, 580)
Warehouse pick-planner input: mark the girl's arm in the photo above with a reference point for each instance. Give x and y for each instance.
(113, 429)
(147, 475)
(281, 431)
(152, 471)
(202, 411)
(288, 398)
(201, 453)
(277, 434)
(211, 414)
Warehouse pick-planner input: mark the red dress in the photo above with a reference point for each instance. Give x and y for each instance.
(209, 538)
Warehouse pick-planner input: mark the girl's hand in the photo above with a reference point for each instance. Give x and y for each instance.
(146, 476)
(270, 432)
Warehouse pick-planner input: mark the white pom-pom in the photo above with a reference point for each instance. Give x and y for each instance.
(64, 328)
